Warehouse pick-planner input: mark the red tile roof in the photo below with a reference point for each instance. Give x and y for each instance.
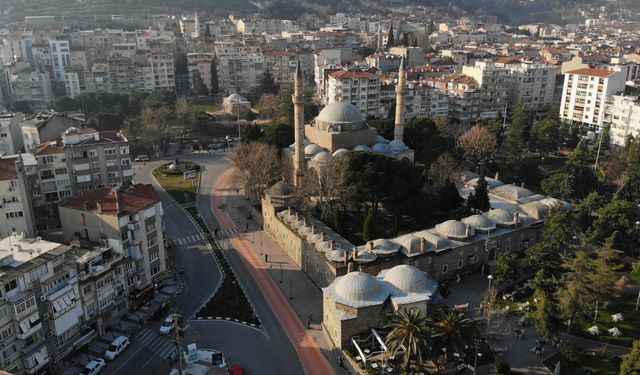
(8, 169)
(114, 201)
(348, 74)
(602, 73)
(49, 148)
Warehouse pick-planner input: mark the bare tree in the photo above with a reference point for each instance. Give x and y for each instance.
(443, 168)
(268, 106)
(478, 145)
(185, 114)
(326, 188)
(156, 123)
(258, 167)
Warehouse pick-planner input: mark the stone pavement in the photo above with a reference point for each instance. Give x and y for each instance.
(303, 296)
(518, 354)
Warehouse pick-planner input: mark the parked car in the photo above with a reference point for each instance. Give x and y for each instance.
(117, 346)
(236, 370)
(93, 367)
(167, 326)
(141, 158)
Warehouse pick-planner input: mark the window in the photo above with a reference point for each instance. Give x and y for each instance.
(126, 161)
(93, 153)
(3, 135)
(460, 263)
(6, 334)
(113, 174)
(86, 289)
(11, 285)
(25, 305)
(445, 268)
(124, 150)
(38, 273)
(473, 259)
(153, 256)
(151, 227)
(61, 170)
(9, 352)
(14, 215)
(152, 241)
(508, 248)
(109, 151)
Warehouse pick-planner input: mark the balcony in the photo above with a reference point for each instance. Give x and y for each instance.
(61, 289)
(133, 226)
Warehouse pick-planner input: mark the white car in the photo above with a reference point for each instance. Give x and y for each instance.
(117, 346)
(167, 326)
(93, 367)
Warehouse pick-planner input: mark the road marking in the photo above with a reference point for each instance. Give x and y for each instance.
(144, 335)
(130, 358)
(180, 241)
(150, 359)
(192, 238)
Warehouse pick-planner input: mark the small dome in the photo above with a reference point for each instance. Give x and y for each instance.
(364, 257)
(235, 97)
(312, 149)
(398, 145)
(511, 192)
(357, 286)
(362, 148)
(381, 139)
(501, 216)
(340, 153)
(382, 247)
(409, 279)
(381, 148)
(411, 244)
(340, 113)
(323, 157)
(280, 189)
(480, 222)
(492, 183)
(454, 229)
(535, 210)
(551, 202)
(337, 255)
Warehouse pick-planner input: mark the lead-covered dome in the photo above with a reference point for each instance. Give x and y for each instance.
(409, 279)
(501, 216)
(454, 229)
(312, 149)
(340, 113)
(323, 157)
(511, 192)
(362, 148)
(398, 145)
(357, 286)
(381, 148)
(480, 222)
(340, 153)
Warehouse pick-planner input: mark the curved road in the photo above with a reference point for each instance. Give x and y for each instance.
(260, 351)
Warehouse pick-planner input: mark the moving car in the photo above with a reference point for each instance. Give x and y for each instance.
(93, 367)
(141, 158)
(236, 370)
(167, 326)
(117, 346)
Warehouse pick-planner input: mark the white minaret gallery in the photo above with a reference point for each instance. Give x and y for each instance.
(298, 123)
(401, 91)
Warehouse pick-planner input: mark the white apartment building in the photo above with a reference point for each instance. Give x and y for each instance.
(622, 115)
(495, 83)
(272, 26)
(10, 133)
(240, 67)
(16, 47)
(463, 94)
(16, 211)
(358, 87)
(162, 70)
(423, 100)
(585, 93)
(75, 81)
(282, 65)
(131, 219)
(32, 86)
(60, 57)
(199, 66)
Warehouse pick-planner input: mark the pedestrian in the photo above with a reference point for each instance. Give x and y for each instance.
(246, 226)
(237, 191)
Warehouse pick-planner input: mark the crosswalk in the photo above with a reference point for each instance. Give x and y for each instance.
(191, 238)
(160, 345)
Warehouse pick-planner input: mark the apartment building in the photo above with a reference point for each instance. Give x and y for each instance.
(162, 70)
(262, 26)
(423, 100)
(76, 81)
(60, 50)
(48, 126)
(16, 212)
(282, 65)
(122, 73)
(413, 56)
(239, 67)
(131, 220)
(463, 94)
(199, 66)
(16, 47)
(96, 159)
(495, 82)
(622, 115)
(51, 184)
(585, 93)
(10, 133)
(358, 87)
(384, 61)
(32, 86)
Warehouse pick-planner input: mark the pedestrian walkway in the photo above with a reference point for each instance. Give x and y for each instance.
(160, 345)
(187, 239)
(281, 281)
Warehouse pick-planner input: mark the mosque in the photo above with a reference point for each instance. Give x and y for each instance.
(363, 284)
(340, 128)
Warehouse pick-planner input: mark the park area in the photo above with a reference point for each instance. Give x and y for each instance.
(574, 361)
(172, 178)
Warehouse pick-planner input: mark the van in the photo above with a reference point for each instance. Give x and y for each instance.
(117, 346)
(142, 158)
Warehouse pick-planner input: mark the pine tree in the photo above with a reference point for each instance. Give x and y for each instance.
(207, 33)
(267, 84)
(215, 89)
(480, 199)
(367, 227)
(390, 39)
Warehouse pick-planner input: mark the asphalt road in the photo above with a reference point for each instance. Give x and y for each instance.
(260, 351)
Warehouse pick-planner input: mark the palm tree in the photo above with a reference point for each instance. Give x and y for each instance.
(450, 324)
(409, 333)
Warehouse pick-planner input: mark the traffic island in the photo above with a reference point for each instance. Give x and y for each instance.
(180, 180)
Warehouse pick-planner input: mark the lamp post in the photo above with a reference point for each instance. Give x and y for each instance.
(542, 161)
(477, 341)
(490, 277)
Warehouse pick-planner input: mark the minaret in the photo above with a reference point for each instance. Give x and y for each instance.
(298, 124)
(401, 92)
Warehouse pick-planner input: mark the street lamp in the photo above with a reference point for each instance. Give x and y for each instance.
(490, 277)
(542, 161)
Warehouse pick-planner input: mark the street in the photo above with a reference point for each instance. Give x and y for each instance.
(260, 351)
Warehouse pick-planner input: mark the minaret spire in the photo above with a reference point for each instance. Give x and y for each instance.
(401, 91)
(298, 124)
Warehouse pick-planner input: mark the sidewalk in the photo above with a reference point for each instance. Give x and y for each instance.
(282, 275)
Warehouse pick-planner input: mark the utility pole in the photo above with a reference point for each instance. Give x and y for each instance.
(176, 322)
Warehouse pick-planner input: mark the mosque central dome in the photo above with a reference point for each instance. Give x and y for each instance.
(340, 113)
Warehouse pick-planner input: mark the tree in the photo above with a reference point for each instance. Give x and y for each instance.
(448, 197)
(267, 84)
(207, 33)
(631, 363)
(560, 228)
(495, 127)
(106, 121)
(251, 133)
(156, 123)
(503, 368)
(258, 167)
(408, 333)
(579, 156)
(480, 199)
(368, 233)
(268, 106)
(545, 313)
(506, 269)
(215, 88)
(385, 126)
(443, 169)
(390, 38)
(478, 145)
(181, 63)
(161, 99)
(518, 137)
(23, 106)
(630, 188)
(559, 185)
(278, 135)
(199, 87)
(542, 257)
(450, 324)
(613, 217)
(545, 135)
(285, 110)
(65, 104)
(422, 135)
